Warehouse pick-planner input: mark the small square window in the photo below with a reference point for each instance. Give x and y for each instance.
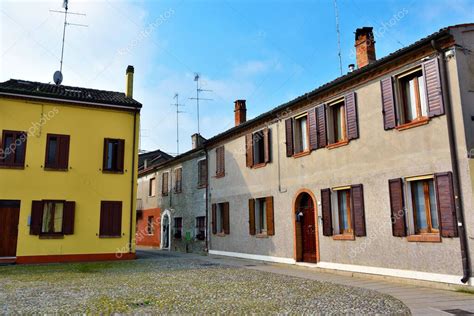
(337, 122)
(13, 149)
(412, 96)
(301, 134)
(150, 229)
(113, 155)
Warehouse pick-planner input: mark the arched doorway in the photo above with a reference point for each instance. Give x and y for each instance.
(165, 230)
(306, 230)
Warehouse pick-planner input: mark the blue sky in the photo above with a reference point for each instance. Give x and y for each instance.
(266, 52)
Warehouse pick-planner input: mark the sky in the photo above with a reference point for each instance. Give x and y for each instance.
(266, 52)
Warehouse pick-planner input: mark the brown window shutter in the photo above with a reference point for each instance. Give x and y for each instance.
(326, 212)
(289, 137)
(68, 217)
(249, 150)
(117, 219)
(252, 216)
(351, 116)
(434, 93)
(36, 217)
(321, 124)
(120, 154)
(106, 154)
(214, 219)
(164, 184)
(446, 204)
(226, 218)
(388, 104)
(270, 216)
(63, 161)
(110, 219)
(313, 129)
(220, 161)
(267, 144)
(397, 206)
(358, 212)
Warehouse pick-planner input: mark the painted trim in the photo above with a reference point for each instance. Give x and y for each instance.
(252, 256)
(399, 273)
(75, 258)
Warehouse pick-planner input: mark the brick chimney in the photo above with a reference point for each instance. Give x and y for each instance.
(240, 112)
(365, 46)
(129, 81)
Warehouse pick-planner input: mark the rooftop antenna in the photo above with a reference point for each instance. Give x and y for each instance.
(338, 36)
(177, 105)
(197, 98)
(58, 75)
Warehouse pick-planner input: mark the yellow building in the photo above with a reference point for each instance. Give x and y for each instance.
(68, 172)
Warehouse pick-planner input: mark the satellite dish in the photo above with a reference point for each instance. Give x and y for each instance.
(58, 77)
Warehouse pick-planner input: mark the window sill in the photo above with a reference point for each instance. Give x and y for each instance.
(415, 123)
(221, 175)
(202, 186)
(112, 172)
(105, 236)
(424, 238)
(51, 236)
(259, 165)
(344, 237)
(164, 194)
(261, 235)
(11, 167)
(220, 234)
(338, 144)
(55, 169)
(302, 154)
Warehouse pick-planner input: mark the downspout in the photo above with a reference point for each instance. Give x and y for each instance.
(207, 201)
(466, 266)
(278, 156)
(132, 190)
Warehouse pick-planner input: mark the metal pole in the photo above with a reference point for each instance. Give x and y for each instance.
(64, 34)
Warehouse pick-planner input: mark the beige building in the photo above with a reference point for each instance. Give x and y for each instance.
(369, 173)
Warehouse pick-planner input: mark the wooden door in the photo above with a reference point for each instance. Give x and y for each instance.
(9, 216)
(308, 231)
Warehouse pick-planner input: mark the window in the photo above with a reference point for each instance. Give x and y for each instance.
(220, 162)
(258, 148)
(165, 183)
(344, 211)
(113, 155)
(201, 228)
(261, 216)
(337, 122)
(150, 229)
(13, 149)
(152, 187)
(178, 186)
(301, 140)
(50, 217)
(202, 173)
(57, 152)
(220, 218)
(178, 227)
(412, 96)
(110, 219)
(425, 211)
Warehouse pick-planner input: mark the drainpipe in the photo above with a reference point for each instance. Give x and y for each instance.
(466, 265)
(132, 190)
(207, 202)
(278, 156)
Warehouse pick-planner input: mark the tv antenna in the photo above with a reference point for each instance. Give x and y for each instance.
(58, 75)
(197, 98)
(177, 105)
(338, 36)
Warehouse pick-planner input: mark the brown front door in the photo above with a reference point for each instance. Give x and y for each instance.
(9, 216)
(308, 229)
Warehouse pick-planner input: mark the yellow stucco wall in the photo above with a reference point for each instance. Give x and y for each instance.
(83, 183)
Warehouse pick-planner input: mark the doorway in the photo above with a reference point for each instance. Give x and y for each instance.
(9, 218)
(305, 228)
(165, 230)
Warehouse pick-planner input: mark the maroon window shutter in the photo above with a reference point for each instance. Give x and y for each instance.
(388, 104)
(358, 212)
(120, 154)
(326, 212)
(63, 161)
(267, 144)
(351, 116)
(313, 129)
(117, 219)
(105, 157)
(110, 219)
(397, 206)
(249, 150)
(36, 217)
(226, 218)
(68, 217)
(446, 204)
(252, 216)
(289, 137)
(270, 216)
(434, 94)
(321, 124)
(214, 219)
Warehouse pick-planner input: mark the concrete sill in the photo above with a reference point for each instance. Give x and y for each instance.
(344, 237)
(338, 144)
(262, 235)
(302, 154)
(414, 123)
(260, 165)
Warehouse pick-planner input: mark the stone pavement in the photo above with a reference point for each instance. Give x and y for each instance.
(421, 300)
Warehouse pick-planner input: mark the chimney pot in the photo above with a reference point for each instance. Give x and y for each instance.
(129, 81)
(240, 112)
(365, 46)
